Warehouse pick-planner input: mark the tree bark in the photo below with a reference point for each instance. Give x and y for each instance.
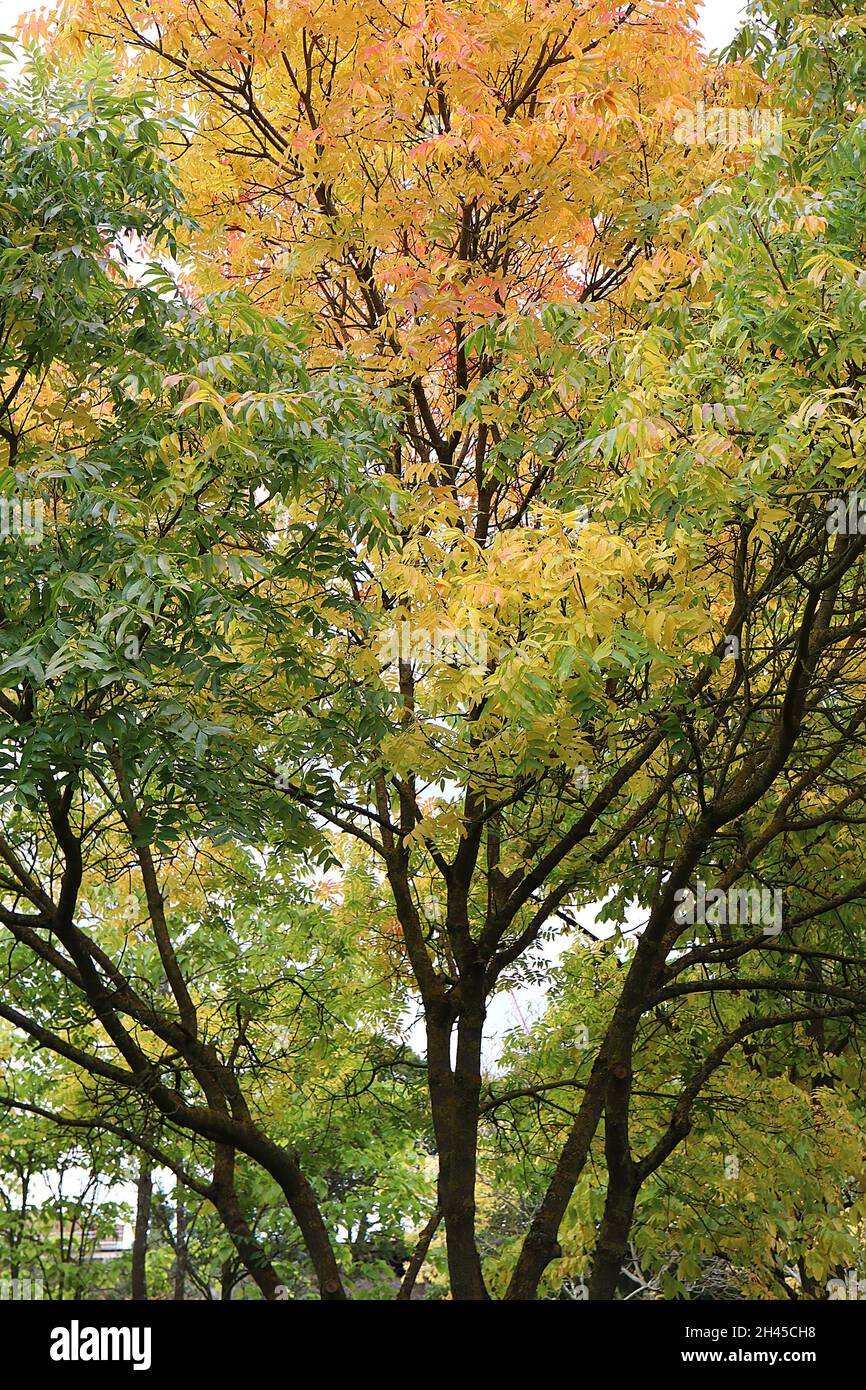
(180, 1255)
(623, 1182)
(142, 1231)
(455, 1095)
(285, 1169)
(612, 1245)
(225, 1199)
(419, 1255)
(541, 1244)
(227, 1280)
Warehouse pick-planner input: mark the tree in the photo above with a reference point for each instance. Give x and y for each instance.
(56, 1199)
(454, 188)
(762, 1199)
(139, 553)
(664, 700)
(518, 165)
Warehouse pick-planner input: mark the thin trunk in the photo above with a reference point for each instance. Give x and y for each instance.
(541, 1244)
(17, 1235)
(608, 1089)
(285, 1169)
(623, 1181)
(419, 1255)
(142, 1231)
(180, 1256)
(225, 1198)
(612, 1245)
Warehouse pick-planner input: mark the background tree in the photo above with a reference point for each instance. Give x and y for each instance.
(116, 619)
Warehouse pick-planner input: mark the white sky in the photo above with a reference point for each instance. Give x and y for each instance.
(718, 21)
(9, 12)
(718, 18)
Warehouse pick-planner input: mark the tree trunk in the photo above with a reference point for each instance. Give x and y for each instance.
(225, 1199)
(612, 1245)
(541, 1244)
(623, 1182)
(455, 1098)
(142, 1231)
(607, 1092)
(285, 1169)
(179, 1245)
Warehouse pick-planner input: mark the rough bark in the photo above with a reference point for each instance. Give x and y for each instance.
(180, 1247)
(142, 1231)
(249, 1251)
(455, 1096)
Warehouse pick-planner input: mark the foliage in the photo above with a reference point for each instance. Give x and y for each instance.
(436, 571)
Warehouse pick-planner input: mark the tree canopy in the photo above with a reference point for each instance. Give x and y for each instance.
(433, 576)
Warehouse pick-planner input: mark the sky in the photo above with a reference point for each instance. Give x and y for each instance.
(718, 21)
(718, 18)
